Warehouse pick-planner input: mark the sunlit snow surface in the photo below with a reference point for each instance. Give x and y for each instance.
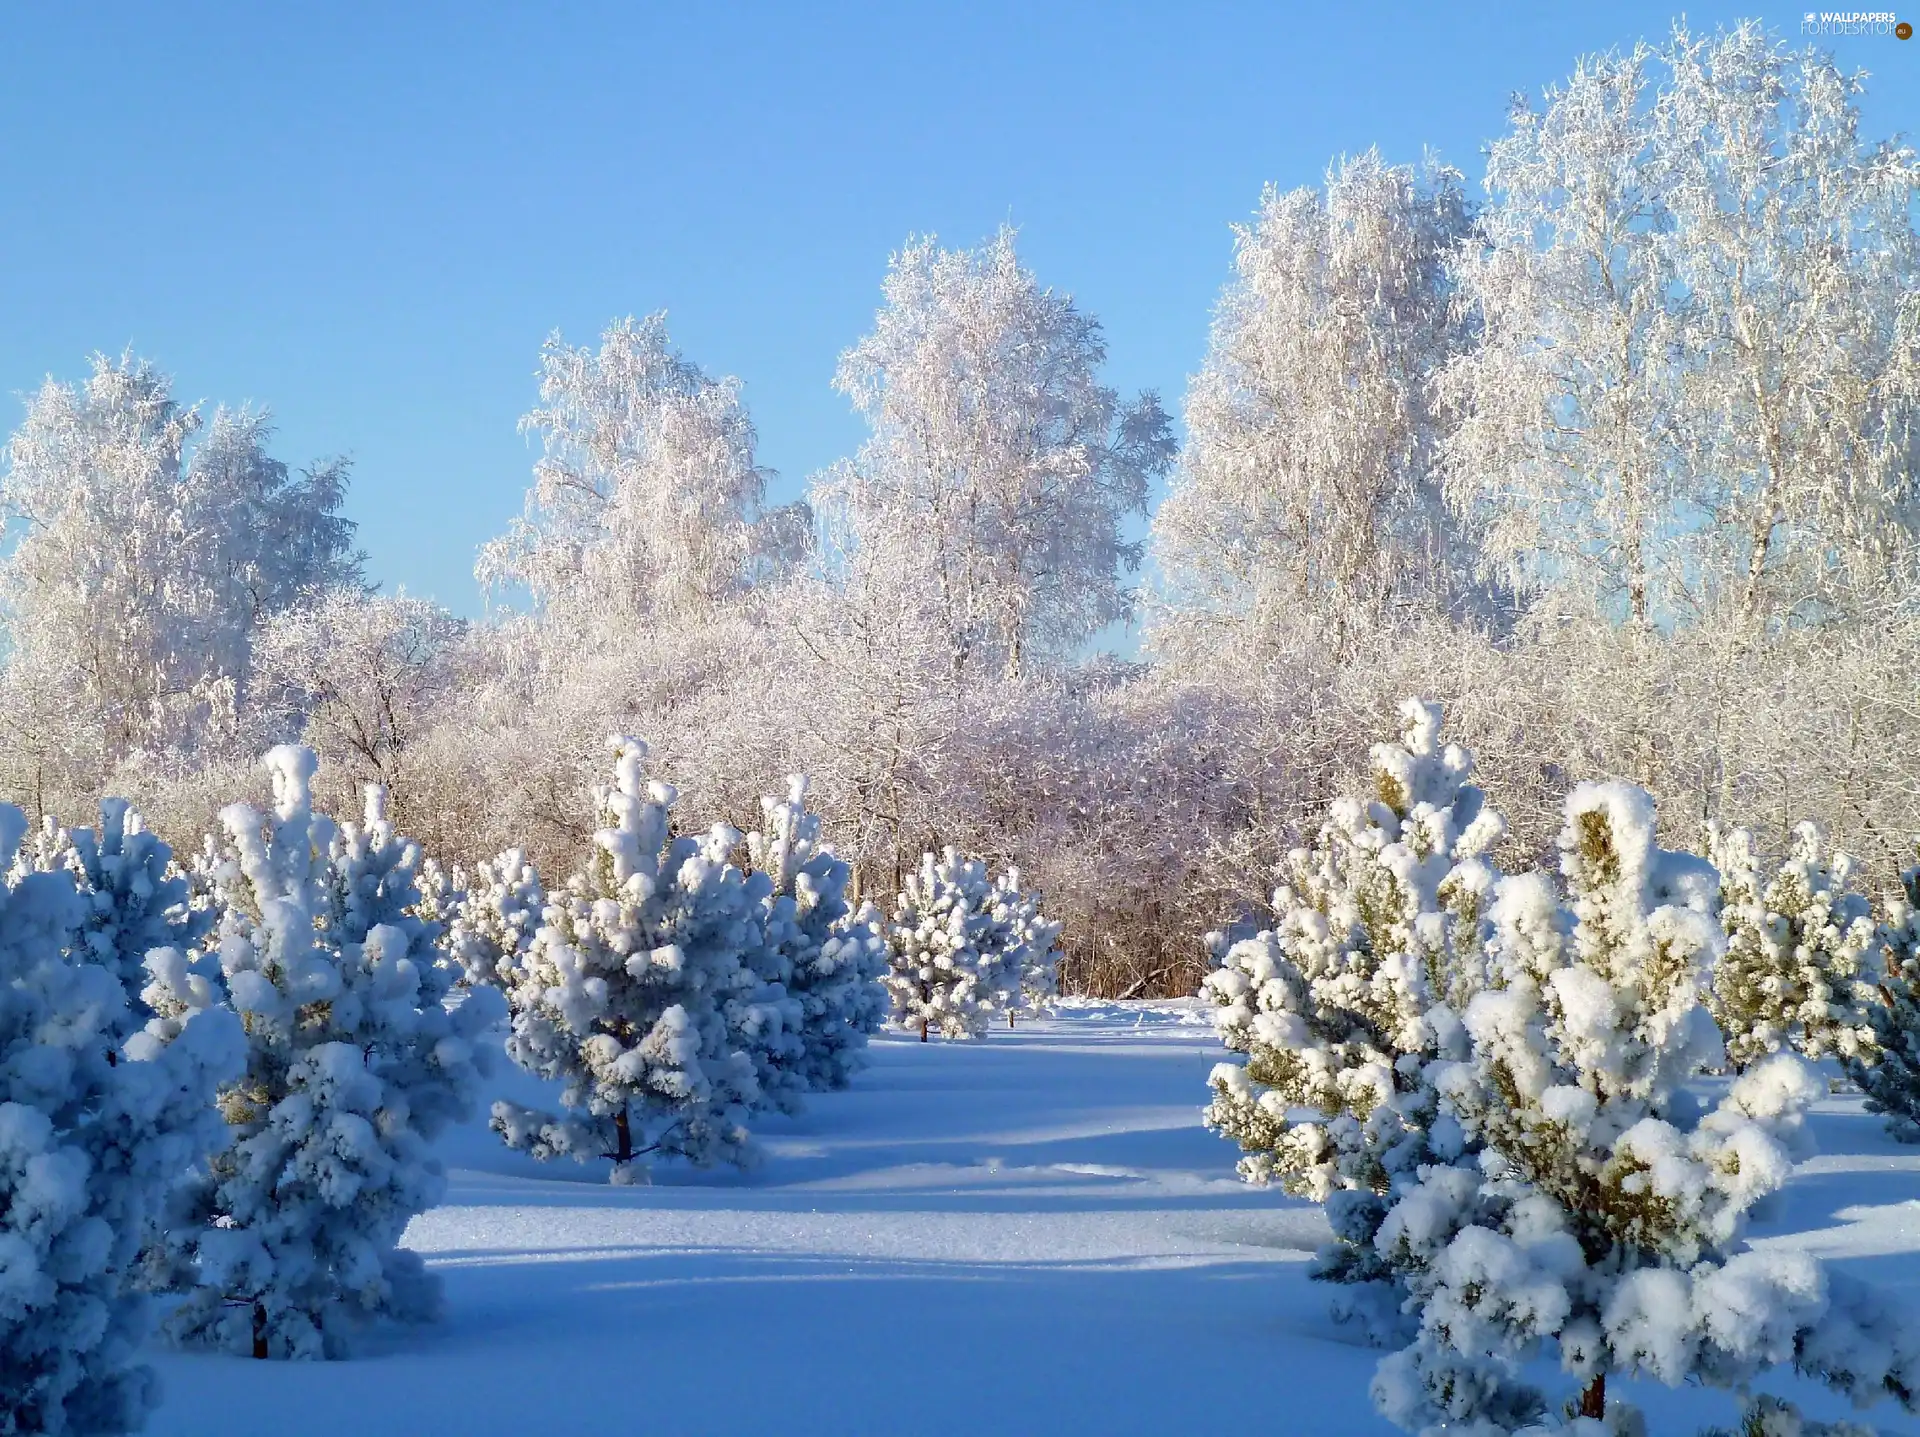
(1031, 1233)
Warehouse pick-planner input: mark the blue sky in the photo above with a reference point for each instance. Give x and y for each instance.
(368, 217)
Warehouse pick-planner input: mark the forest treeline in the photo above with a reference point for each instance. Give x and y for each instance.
(1614, 454)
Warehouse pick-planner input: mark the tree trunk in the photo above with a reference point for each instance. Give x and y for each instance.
(1009, 1017)
(623, 1130)
(1593, 1402)
(260, 1332)
(923, 1030)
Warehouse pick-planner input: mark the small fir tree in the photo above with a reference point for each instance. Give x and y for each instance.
(948, 967)
(1032, 944)
(134, 899)
(138, 909)
(622, 997)
(93, 1132)
(443, 896)
(355, 1062)
(830, 957)
(1891, 1080)
(1602, 1217)
(1344, 1003)
(1800, 963)
(499, 911)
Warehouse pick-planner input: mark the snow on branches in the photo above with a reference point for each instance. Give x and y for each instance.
(622, 997)
(133, 899)
(355, 1061)
(990, 501)
(964, 947)
(673, 995)
(492, 922)
(828, 956)
(647, 502)
(1801, 961)
(1032, 941)
(1602, 1217)
(155, 541)
(1341, 1005)
(97, 1119)
(1305, 495)
(1891, 1080)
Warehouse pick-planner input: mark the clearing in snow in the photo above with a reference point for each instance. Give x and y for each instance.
(1031, 1233)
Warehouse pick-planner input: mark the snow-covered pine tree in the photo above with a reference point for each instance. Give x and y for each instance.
(622, 996)
(492, 927)
(1031, 942)
(133, 898)
(137, 910)
(1343, 1004)
(1602, 1217)
(93, 1133)
(1892, 1080)
(431, 1049)
(443, 893)
(946, 966)
(354, 1062)
(831, 957)
(1800, 962)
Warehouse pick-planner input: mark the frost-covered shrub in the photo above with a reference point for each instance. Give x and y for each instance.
(955, 955)
(1602, 1219)
(97, 1118)
(828, 956)
(623, 995)
(1891, 1080)
(499, 911)
(355, 1061)
(133, 898)
(1800, 962)
(1344, 1003)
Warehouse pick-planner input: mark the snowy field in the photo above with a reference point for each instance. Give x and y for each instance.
(1027, 1234)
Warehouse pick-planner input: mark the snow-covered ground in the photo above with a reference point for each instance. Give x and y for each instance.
(1026, 1234)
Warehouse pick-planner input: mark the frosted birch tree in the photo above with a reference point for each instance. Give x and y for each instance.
(152, 543)
(1000, 470)
(646, 500)
(358, 677)
(1308, 488)
(1700, 357)
(1566, 447)
(1792, 240)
